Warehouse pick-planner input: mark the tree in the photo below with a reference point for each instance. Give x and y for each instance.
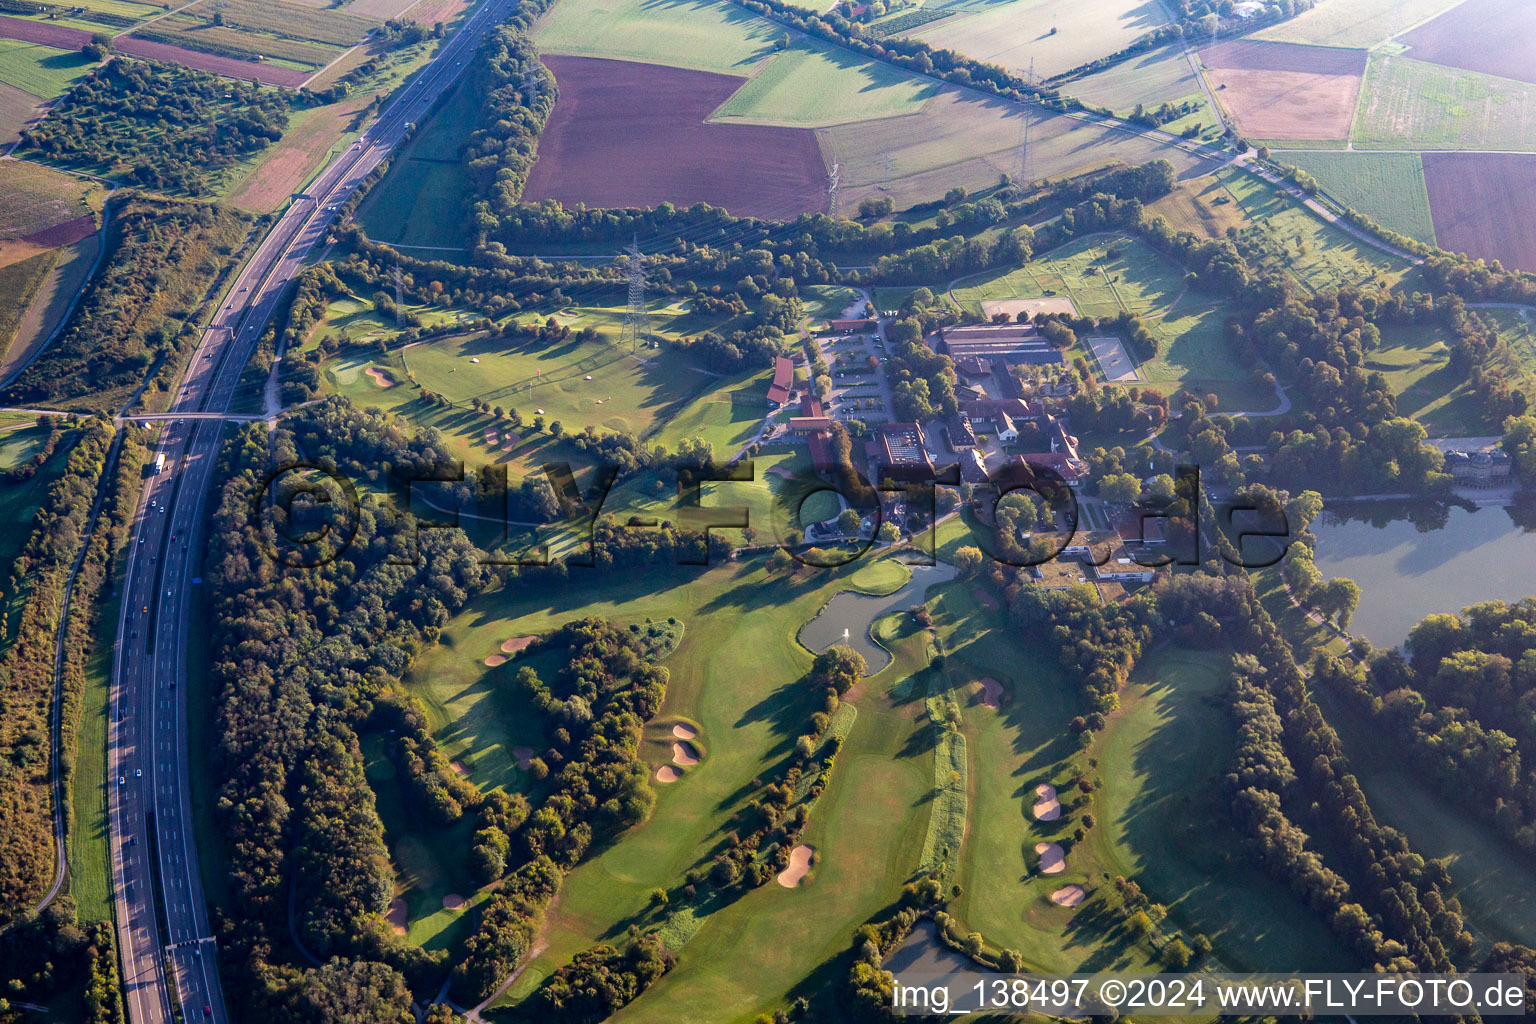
(1120, 488)
(1338, 599)
(838, 667)
(1300, 574)
(889, 534)
(556, 428)
(1520, 444)
(780, 561)
(969, 561)
(849, 521)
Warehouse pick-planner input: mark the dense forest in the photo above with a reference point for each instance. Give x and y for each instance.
(159, 126)
(141, 308)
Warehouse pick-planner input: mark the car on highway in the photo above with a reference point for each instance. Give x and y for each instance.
(138, 773)
(121, 781)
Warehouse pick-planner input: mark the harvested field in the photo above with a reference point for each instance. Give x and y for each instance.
(67, 233)
(381, 9)
(1481, 204)
(1491, 36)
(963, 138)
(1355, 23)
(1047, 807)
(1203, 206)
(1162, 75)
(1052, 860)
(1054, 35)
(17, 107)
(1285, 91)
(289, 163)
(36, 200)
(289, 20)
(799, 866)
(1412, 104)
(353, 59)
(430, 12)
(618, 127)
(267, 74)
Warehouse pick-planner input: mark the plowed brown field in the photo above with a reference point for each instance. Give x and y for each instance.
(1286, 91)
(1481, 206)
(1491, 36)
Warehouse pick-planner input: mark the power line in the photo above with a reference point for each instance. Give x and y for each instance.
(832, 182)
(399, 298)
(637, 319)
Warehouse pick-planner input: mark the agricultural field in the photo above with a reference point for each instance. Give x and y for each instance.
(1490, 36)
(41, 208)
(1387, 187)
(963, 138)
(1410, 104)
(39, 70)
(1481, 204)
(812, 85)
(1158, 76)
(618, 127)
(1202, 206)
(704, 35)
(110, 16)
(273, 72)
(1359, 24)
(1282, 91)
(285, 166)
(1043, 37)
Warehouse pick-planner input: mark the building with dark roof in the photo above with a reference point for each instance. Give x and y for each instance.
(803, 425)
(849, 326)
(783, 381)
(901, 453)
(961, 436)
(1008, 343)
(972, 366)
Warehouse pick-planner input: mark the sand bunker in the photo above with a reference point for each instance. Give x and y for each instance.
(1068, 896)
(516, 644)
(379, 377)
(1047, 808)
(991, 692)
(666, 773)
(684, 732)
(396, 915)
(1013, 307)
(453, 901)
(799, 866)
(524, 757)
(1052, 860)
(495, 659)
(684, 754)
(459, 767)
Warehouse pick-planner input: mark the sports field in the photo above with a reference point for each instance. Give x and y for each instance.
(1354, 23)
(1046, 36)
(43, 71)
(812, 85)
(1410, 104)
(705, 35)
(1386, 187)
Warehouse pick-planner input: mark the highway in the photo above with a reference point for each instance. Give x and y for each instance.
(167, 948)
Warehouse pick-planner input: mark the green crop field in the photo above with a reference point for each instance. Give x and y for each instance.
(1316, 254)
(812, 85)
(1359, 24)
(1048, 36)
(41, 70)
(705, 35)
(1411, 104)
(1386, 187)
(198, 33)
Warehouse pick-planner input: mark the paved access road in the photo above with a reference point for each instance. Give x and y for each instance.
(167, 947)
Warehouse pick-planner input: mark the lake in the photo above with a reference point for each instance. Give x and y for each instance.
(1413, 559)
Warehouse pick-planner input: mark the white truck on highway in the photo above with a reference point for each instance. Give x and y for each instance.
(159, 461)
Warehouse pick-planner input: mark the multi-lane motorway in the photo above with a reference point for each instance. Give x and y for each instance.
(168, 951)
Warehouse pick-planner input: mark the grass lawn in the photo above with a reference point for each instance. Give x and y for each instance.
(735, 676)
(1416, 361)
(1386, 187)
(812, 85)
(1162, 760)
(1316, 254)
(19, 502)
(1048, 36)
(424, 199)
(1495, 883)
(43, 71)
(1412, 104)
(699, 34)
(1354, 23)
(827, 300)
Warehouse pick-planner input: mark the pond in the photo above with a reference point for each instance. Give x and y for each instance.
(847, 618)
(1413, 559)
